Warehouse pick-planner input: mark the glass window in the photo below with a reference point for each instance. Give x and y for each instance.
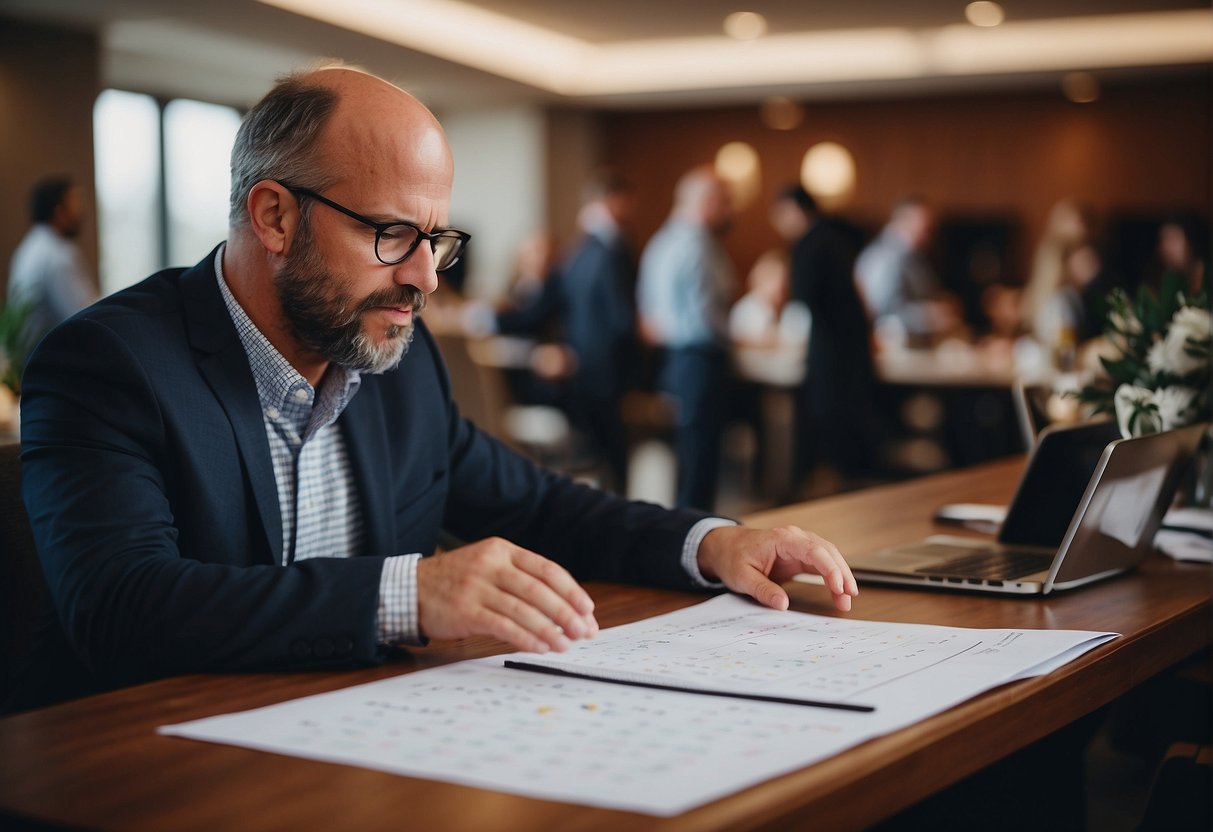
(198, 141)
(126, 131)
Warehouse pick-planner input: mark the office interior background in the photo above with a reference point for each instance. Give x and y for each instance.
(1108, 102)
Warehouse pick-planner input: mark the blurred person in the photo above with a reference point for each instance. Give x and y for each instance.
(836, 415)
(766, 316)
(246, 464)
(1183, 249)
(532, 309)
(48, 273)
(1003, 342)
(899, 286)
(683, 294)
(1063, 298)
(597, 286)
(770, 336)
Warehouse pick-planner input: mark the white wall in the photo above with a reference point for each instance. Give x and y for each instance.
(500, 192)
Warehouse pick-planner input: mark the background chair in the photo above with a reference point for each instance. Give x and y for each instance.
(19, 570)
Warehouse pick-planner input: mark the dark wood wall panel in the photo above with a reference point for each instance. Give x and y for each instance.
(1141, 149)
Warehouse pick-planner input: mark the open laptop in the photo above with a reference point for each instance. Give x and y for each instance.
(1086, 508)
(1031, 410)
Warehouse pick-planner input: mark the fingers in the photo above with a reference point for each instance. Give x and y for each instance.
(542, 593)
(757, 561)
(765, 591)
(821, 556)
(495, 588)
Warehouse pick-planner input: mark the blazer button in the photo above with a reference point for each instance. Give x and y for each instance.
(345, 645)
(300, 649)
(323, 648)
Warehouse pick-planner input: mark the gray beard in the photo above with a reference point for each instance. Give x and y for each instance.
(325, 320)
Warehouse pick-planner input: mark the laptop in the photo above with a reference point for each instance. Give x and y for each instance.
(1086, 508)
(1031, 410)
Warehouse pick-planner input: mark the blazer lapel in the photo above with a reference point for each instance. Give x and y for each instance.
(224, 364)
(364, 429)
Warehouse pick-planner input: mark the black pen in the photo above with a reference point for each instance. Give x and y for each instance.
(758, 697)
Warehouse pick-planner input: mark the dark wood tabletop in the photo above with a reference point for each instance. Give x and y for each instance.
(98, 762)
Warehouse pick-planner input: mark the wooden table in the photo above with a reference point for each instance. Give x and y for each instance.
(98, 762)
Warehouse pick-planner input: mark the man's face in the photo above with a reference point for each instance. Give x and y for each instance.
(390, 162)
(69, 213)
(327, 318)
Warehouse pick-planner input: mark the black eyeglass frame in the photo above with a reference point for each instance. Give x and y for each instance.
(382, 228)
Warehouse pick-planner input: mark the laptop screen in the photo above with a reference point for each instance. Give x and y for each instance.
(1054, 482)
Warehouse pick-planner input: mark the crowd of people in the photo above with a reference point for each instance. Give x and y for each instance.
(672, 317)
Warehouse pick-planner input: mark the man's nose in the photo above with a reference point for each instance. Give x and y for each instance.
(418, 270)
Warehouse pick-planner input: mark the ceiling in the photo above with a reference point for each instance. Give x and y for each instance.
(456, 53)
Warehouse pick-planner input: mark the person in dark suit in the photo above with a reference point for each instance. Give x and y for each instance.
(834, 405)
(246, 464)
(597, 282)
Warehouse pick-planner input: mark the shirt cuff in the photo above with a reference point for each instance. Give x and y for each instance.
(690, 549)
(398, 620)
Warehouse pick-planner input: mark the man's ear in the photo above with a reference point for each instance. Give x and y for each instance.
(273, 215)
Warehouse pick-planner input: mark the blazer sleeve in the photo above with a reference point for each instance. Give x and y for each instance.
(596, 535)
(112, 472)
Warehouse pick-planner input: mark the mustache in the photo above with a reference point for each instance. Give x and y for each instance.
(396, 296)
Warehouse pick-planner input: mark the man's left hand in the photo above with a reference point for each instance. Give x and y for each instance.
(756, 561)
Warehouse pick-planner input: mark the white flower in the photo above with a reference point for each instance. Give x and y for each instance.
(1193, 322)
(1170, 354)
(1175, 406)
(1136, 412)
(1126, 322)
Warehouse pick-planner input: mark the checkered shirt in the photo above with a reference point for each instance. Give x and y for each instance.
(321, 515)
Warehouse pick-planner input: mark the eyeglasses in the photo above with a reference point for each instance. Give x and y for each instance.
(396, 241)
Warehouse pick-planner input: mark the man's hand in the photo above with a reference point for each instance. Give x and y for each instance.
(757, 561)
(495, 588)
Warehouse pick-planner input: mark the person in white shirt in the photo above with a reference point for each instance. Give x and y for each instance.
(48, 271)
(683, 296)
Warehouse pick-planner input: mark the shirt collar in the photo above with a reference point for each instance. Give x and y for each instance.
(278, 382)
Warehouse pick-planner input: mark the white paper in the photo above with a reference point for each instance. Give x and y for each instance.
(646, 750)
(732, 644)
(1185, 545)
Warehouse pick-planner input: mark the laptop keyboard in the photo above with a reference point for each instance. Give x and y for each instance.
(991, 564)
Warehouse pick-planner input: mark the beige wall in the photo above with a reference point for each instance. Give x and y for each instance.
(49, 79)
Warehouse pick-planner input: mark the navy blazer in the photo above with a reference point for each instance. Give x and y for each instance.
(596, 285)
(150, 489)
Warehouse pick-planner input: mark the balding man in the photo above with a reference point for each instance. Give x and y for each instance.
(246, 464)
(683, 295)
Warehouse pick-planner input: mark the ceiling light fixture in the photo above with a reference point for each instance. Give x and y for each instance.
(984, 13)
(745, 25)
(737, 163)
(782, 113)
(1080, 87)
(459, 31)
(828, 172)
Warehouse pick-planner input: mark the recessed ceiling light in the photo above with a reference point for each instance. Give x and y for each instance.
(1080, 87)
(745, 25)
(828, 171)
(781, 113)
(737, 163)
(984, 13)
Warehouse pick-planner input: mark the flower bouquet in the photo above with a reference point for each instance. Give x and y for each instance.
(1158, 366)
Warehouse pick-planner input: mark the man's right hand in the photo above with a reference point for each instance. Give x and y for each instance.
(495, 588)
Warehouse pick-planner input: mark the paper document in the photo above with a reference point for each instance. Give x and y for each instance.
(648, 750)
